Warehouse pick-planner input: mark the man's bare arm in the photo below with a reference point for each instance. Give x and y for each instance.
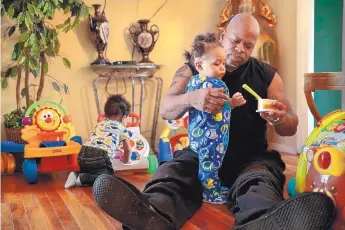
(288, 125)
(175, 103)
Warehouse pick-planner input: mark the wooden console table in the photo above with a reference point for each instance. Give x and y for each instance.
(134, 72)
(321, 81)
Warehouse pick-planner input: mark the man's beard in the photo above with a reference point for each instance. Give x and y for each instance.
(231, 65)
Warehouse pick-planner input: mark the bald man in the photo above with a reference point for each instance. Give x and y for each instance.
(253, 173)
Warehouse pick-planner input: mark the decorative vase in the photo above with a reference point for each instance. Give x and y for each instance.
(144, 39)
(266, 48)
(99, 33)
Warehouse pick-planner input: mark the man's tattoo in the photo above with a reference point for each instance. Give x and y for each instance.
(172, 84)
(180, 75)
(179, 72)
(183, 68)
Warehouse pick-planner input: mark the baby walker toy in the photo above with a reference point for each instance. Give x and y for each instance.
(321, 166)
(51, 141)
(167, 146)
(140, 147)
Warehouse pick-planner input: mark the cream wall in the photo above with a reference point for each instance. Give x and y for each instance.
(295, 30)
(286, 13)
(179, 21)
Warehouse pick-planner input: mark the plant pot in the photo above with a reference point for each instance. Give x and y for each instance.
(15, 136)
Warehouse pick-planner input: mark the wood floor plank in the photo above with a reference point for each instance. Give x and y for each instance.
(33, 211)
(114, 222)
(76, 208)
(64, 214)
(19, 217)
(50, 217)
(6, 216)
(77, 211)
(92, 210)
(7, 228)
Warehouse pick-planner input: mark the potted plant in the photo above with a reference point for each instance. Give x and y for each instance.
(37, 43)
(13, 124)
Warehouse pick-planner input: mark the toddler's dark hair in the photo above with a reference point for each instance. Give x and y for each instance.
(116, 105)
(198, 46)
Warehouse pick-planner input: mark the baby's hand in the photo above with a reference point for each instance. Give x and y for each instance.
(237, 100)
(123, 160)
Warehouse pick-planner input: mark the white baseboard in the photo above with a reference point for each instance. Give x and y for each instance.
(283, 148)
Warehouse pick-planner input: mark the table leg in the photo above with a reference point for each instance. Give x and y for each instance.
(95, 91)
(155, 116)
(133, 94)
(142, 83)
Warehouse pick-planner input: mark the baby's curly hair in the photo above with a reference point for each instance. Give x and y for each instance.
(116, 105)
(198, 46)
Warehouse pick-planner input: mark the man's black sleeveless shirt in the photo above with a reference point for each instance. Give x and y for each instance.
(247, 138)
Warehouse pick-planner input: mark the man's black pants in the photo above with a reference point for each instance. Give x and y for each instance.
(93, 162)
(176, 192)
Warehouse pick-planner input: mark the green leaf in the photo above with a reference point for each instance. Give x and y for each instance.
(40, 4)
(24, 92)
(56, 86)
(11, 31)
(8, 72)
(4, 83)
(28, 22)
(76, 21)
(56, 2)
(35, 9)
(46, 5)
(14, 71)
(31, 9)
(83, 11)
(18, 48)
(24, 36)
(31, 65)
(20, 58)
(3, 74)
(57, 47)
(10, 11)
(34, 62)
(45, 67)
(67, 21)
(66, 62)
(32, 39)
(35, 72)
(67, 10)
(20, 18)
(60, 26)
(65, 88)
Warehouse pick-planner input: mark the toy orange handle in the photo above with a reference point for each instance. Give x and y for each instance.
(100, 117)
(136, 120)
(129, 124)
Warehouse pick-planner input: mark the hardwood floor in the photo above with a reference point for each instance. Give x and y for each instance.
(47, 205)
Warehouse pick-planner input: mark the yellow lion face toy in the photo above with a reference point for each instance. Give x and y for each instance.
(47, 119)
(49, 122)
